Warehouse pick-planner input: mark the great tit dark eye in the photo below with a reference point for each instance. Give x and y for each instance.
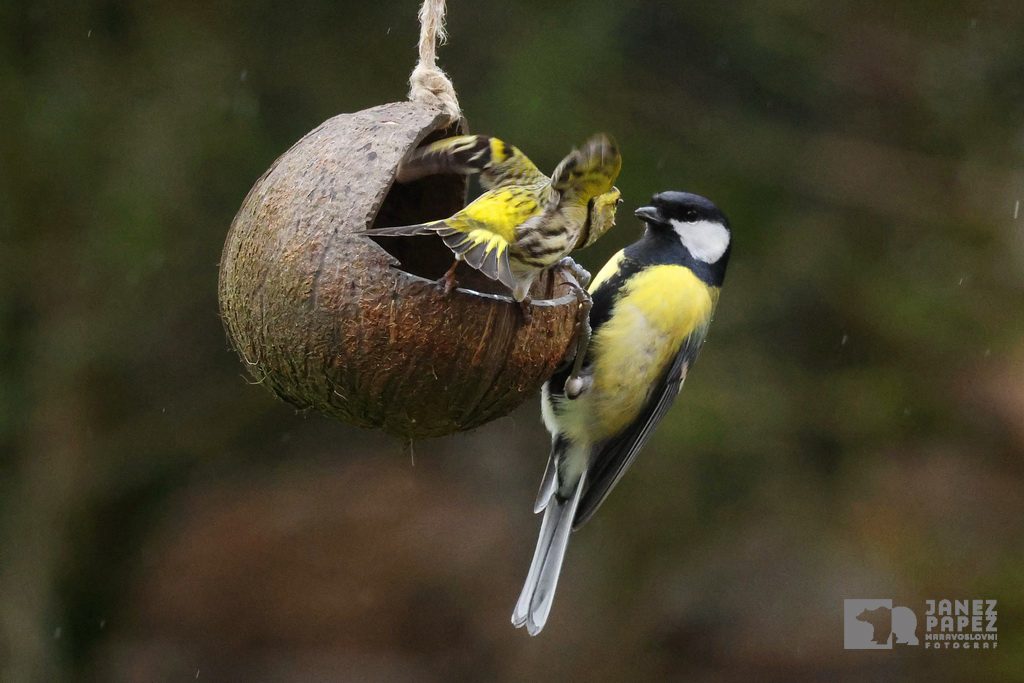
(690, 216)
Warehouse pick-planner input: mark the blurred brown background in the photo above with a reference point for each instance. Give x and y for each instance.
(854, 429)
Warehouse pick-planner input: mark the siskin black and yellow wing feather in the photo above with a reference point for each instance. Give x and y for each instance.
(590, 170)
(498, 163)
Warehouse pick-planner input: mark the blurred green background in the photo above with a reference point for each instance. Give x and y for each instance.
(854, 428)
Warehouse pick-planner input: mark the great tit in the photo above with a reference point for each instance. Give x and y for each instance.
(653, 303)
(524, 222)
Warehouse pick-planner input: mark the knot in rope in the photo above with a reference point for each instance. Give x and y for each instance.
(428, 83)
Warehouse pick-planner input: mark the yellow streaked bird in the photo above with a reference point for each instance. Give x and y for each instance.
(524, 222)
(653, 303)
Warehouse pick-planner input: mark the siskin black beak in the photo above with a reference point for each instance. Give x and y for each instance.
(650, 214)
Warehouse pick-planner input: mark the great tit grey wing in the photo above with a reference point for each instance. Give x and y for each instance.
(614, 456)
(550, 480)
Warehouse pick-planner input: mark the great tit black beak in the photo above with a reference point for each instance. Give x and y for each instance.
(650, 214)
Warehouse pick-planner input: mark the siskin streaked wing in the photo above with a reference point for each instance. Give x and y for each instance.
(498, 163)
(590, 170)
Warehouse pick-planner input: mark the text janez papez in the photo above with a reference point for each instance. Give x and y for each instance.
(960, 621)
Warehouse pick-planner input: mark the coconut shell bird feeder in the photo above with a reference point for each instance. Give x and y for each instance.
(357, 328)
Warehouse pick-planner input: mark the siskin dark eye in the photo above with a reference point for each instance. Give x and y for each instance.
(690, 216)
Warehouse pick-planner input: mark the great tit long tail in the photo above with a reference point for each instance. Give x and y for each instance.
(549, 482)
(535, 601)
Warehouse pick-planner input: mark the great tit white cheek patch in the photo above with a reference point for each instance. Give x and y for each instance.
(705, 240)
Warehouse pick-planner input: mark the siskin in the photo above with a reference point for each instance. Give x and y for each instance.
(653, 303)
(524, 222)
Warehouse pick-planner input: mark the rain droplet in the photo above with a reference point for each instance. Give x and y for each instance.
(846, 337)
(241, 76)
(1016, 210)
(56, 633)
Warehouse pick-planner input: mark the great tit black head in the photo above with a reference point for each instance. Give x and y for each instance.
(696, 222)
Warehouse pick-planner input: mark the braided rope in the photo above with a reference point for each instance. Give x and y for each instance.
(428, 84)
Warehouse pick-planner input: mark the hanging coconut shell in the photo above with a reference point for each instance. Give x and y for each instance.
(356, 328)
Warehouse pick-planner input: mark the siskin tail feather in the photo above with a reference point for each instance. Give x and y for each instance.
(538, 594)
(402, 230)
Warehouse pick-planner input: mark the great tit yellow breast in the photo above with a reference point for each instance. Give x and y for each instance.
(653, 314)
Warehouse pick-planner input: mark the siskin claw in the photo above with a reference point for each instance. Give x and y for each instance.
(581, 275)
(526, 308)
(448, 281)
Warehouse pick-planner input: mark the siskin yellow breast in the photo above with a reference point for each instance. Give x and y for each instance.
(502, 210)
